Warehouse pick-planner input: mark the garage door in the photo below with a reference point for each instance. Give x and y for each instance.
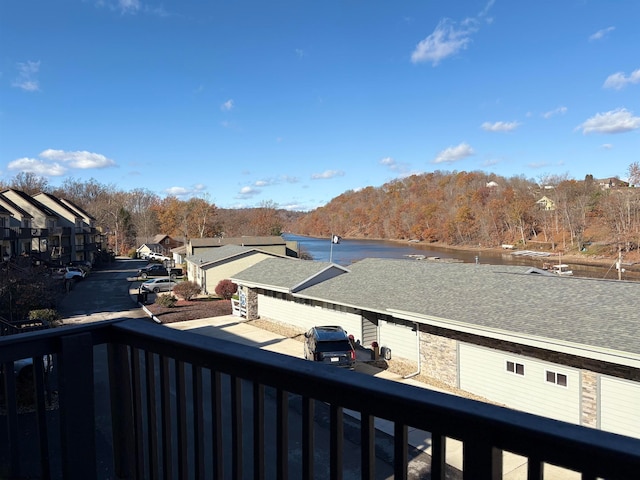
(620, 406)
(521, 383)
(400, 339)
(306, 316)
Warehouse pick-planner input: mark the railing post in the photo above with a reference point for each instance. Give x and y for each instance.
(481, 460)
(121, 410)
(77, 407)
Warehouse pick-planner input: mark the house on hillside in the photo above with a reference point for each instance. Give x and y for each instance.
(484, 329)
(612, 182)
(210, 266)
(546, 203)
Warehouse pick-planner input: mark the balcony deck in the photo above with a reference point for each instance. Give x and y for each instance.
(173, 404)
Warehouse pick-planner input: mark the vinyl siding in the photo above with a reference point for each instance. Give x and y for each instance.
(307, 316)
(400, 339)
(483, 372)
(620, 406)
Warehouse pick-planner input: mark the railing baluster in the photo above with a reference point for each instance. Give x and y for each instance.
(121, 410)
(258, 431)
(438, 456)
(480, 459)
(336, 441)
(41, 415)
(308, 439)
(165, 408)
(181, 409)
(12, 418)
(534, 469)
(367, 445)
(198, 422)
(216, 425)
(282, 434)
(137, 412)
(400, 456)
(152, 420)
(236, 427)
(77, 407)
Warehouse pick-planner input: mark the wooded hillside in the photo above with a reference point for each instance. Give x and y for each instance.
(476, 208)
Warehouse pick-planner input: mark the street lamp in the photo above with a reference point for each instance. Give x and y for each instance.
(169, 264)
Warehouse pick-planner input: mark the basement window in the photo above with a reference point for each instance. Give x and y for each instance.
(517, 368)
(557, 378)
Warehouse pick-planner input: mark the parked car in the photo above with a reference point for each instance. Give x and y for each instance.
(158, 257)
(69, 273)
(331, 345)
(158, 270)
(156, 285)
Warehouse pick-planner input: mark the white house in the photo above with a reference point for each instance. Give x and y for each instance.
(564, 348)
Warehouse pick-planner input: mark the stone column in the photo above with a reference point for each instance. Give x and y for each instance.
(589, 407)
(252, 303)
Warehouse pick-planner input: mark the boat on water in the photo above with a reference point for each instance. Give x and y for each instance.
(561, 269)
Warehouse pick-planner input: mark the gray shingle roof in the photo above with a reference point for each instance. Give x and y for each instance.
(601, 313)
(284, 273)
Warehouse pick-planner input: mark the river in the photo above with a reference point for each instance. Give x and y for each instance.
(351, 250)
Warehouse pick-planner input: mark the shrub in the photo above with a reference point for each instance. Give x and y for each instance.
(49, 315)
(187, 290)
(167, 301)
(226, 288)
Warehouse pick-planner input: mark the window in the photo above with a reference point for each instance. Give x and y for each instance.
(557, 378)
(517, 368)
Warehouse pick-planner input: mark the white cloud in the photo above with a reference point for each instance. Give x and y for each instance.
(327, 174)
(186, 192)
(553, 113)
(615, 121)
(129, 6)
(54, 163)
(619, 80)
(81, 159)
(500, 126)
(454, 154)
(607, 146)
(600, 34)
(26, 74)
(445, 41)
(226, 106)
(448, 38)
(394, 166)
(33, 165)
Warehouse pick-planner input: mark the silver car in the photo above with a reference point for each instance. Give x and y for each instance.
(160, 284)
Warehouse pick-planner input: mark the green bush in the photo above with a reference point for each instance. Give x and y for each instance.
(49, 315)
(167, 301)
(187, 290)
(226, 288)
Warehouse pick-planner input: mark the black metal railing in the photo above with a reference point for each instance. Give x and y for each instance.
(171, 404)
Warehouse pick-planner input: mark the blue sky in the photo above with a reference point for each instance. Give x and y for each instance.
(294, 102)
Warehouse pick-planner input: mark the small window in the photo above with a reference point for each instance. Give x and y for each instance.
(517, 368)
(557, 378)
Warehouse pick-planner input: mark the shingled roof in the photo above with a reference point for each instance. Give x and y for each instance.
(600, 313)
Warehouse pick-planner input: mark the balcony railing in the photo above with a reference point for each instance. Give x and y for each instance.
(140, 400)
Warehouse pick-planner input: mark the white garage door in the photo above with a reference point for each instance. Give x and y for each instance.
(620, 406)
(521, 383)
(400, 339)
(306, 316)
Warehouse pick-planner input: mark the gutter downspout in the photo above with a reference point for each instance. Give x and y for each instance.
(418, 347)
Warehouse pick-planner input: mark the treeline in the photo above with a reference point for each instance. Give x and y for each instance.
(130, 218)
(472, 208)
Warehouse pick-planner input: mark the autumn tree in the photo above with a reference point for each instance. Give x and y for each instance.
(29, 183)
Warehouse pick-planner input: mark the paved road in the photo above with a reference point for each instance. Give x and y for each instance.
(103, 295)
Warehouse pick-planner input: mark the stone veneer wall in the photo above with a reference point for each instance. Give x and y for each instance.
(252, 302)
(589, 394)
(439, 358)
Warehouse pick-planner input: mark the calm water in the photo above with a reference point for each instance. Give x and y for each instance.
(349, 251)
